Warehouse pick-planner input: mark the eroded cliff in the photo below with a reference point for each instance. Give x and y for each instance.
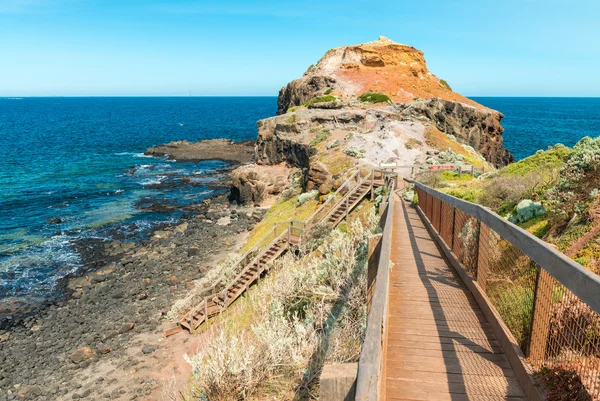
(327, 125)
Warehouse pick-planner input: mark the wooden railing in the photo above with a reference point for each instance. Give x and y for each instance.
(371, 356)
(549, 304)
(290, 227)
(285, 229)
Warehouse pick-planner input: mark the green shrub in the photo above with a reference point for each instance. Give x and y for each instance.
(527, 210)
(328, 91)
(334, 144)
(320, 137)
(579, 177)
(319, 99)
(352, 151)
(445, 84)
(370, 97)
(305, 197)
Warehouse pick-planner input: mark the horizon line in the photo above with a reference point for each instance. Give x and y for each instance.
(258, 96)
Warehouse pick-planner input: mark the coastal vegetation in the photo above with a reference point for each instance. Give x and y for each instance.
(370, 97)
(554, 195)
(445, 84)
(309, 312)
(321, 136)
(319, 99)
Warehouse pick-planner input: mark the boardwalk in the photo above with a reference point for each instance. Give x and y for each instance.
(438, 345)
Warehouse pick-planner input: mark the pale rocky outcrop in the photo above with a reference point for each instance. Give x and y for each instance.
(328, 139)
(254, 185)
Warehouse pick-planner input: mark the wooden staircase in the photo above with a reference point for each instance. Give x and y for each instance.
(347, 203)
(292, 235)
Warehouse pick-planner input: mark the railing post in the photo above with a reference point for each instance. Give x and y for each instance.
(347, 197)
(540, 316)
(440, 219)
(453, 227)
(476, 256)
(483, 257)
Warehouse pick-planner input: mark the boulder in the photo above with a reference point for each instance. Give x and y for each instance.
(81, 355)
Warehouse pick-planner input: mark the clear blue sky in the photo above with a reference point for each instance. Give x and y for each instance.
(168, 47)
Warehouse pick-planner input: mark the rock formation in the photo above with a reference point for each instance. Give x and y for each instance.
(405, 115)
(383, 66)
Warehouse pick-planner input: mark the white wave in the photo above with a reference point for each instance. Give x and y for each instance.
(154, 180)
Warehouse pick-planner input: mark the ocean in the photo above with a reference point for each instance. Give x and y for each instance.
(73, 168)
(532, 124)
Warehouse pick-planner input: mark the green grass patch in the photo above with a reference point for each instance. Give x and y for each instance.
(445, 84)
(538, 226)
(328, 91)
(319, 99)
(293, 108)
(514, 303)
(470, 194)
(453, 176)
(283, 209)
(291, 119)
(337, 162)
(370, 97)
(321, 136)
(552, 159)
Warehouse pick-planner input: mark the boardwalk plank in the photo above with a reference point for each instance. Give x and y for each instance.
(438, 344)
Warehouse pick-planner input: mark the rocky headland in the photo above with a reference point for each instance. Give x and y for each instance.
(360, 105)
(370, 104)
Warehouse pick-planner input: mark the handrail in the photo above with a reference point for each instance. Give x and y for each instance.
(371, 356)
(576, 278)
(331, 197)
(350, 191)
(242, 261)
(257, 248)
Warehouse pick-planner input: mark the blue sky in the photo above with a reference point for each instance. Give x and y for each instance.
(154, 47)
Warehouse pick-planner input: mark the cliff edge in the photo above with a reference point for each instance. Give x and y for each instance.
(370, 104)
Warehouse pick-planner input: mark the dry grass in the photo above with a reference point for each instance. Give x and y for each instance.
(310, 311)
(438, 140)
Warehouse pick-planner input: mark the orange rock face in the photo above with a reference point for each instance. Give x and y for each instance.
(396, 70)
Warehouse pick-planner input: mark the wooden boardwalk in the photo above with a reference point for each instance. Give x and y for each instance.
(438, 345)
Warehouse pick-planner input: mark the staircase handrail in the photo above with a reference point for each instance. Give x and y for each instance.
(350, 191)
(256, 247)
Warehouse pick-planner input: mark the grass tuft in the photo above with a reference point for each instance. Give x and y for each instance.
(370, 97)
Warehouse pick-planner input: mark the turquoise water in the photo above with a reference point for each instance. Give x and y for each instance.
(74, 168)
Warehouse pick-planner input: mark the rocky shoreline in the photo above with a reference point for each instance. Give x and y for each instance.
(211, 149)
(88, 344)
(46, 356)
